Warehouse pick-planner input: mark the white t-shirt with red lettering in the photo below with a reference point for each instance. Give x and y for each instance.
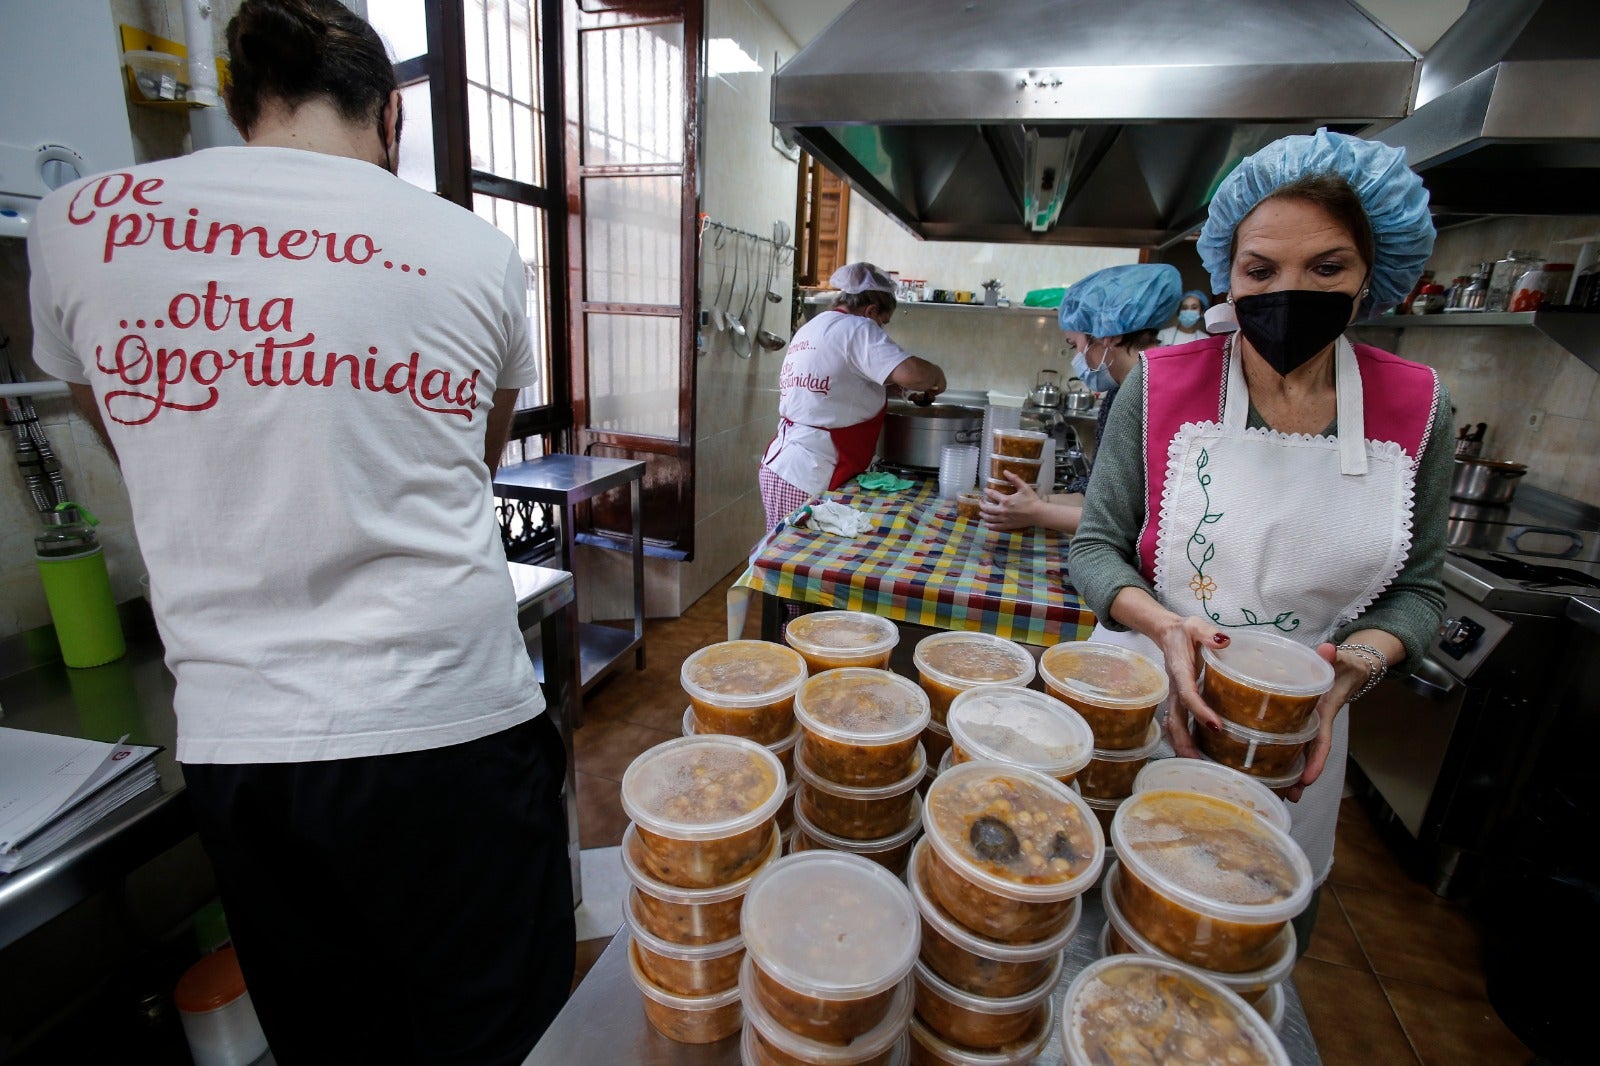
(295, 355)
(833, 376)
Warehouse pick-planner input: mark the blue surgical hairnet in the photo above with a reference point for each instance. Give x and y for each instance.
(1121, 299)
(1203, 297)
(1393, 195)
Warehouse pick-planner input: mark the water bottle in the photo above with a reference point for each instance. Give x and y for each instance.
(72, 565)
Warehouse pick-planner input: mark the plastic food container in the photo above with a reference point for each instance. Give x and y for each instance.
(950, 663)
(687, 915)
(1205, 880)
(1253, 751)
(787, 808)
(1264, 681)
(1018, 443)
(1026, 469)
(219, 1022)
(828, 640)
(1116, 690)
(1000, 876)
(685, 969)
(783, 749)
(928, 1048)
(1270, 1007)
(1010, 724)
(687, 1019)
(1000, 485)
(976, 964)
(1214, 779)
(1110, 774)
(704, 808)
(936, 742)
(861, 725)
(1104, 810)
(768, 1042)
(831, 937)
(858, 813)
(968, 506)
(1249, 985)
(1280, 784)
(744, 688)
(1108, 1007)
(890, 852)
(979, 1021)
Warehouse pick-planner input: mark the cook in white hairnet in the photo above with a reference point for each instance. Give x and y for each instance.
(1280, 493)
(1109, 317)
(832, 392)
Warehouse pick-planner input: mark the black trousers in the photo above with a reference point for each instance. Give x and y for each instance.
(412, 908)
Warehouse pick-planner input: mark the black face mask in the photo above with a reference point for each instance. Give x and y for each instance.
(1290, 326)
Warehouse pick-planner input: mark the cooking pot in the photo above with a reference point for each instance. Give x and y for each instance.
(915, 436)
(1492, 481)
(1476, 525)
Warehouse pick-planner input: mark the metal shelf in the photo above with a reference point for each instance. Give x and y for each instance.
(1577, 332)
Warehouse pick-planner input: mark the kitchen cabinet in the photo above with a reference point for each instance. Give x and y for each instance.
(1578, 333)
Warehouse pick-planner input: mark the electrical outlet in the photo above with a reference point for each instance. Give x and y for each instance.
(1535, 419)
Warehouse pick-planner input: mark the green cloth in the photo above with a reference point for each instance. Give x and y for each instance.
(1044, 297)
(1113, 514)
(880, 481)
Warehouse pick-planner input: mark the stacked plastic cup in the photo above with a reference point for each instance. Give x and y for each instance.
(958, 469)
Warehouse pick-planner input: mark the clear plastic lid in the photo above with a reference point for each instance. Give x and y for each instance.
(862, 847)
(919, 770)
(831, 926)
(899, 1052)
(743, 673)
(1212, 856)
(1114, 995)
(989, 1004)
(966, 939)
(1271, 663)
(1246, 981)
(861, 705)
(961, 660)
(777, 748)
(1214, 779)
(853, 633)
(873, 1042)
(1261, 738)
(1015, 725)
(1018, 434)
(1152, 744)
(666, 948)
(1286, 780)
(703, 787)
(690, 897)
(970, 816)
(1024, 1049)
(715, 1001)
(1105, 675)
(1270, 1007)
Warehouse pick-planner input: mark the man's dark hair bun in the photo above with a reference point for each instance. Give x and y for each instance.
(293, 50)
(280, 36)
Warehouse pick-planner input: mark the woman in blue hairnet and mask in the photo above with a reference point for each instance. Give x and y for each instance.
(1108, 317)
(1279, 479)
(1191, 324)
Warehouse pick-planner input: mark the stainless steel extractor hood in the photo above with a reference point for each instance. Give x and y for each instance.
(1507, 115)
(1099, 122)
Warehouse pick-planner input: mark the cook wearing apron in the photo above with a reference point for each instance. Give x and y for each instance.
(832, 394)
(1282, 479)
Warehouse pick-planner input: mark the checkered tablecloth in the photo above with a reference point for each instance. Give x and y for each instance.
(921, 564)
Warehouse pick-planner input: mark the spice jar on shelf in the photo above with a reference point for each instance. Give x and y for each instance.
(1504, 273)
(1429, 301)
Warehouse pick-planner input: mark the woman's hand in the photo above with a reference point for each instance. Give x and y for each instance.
(1021, 509)
(1349, 674)
(1177, 638)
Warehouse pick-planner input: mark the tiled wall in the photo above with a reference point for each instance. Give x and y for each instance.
(1541, 404)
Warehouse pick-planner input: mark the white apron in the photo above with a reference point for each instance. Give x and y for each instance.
(1288, 533)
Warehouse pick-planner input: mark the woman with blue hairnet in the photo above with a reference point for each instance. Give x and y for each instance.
(1279, 479)
(1191, 324)
(1109, 317)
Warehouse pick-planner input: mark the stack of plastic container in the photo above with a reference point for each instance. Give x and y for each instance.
(958, 469)
(950, 663)
(704, 822)
(745, 688)
(998, 417)
(860, 761)
(831, 941)
(1117, 691)
(996, 879)
(1022, 451)
(1266, 689)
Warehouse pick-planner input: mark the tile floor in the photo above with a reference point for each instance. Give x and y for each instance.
(1392, 975)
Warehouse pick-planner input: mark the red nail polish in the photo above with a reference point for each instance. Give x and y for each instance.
(1215, 727)
(1219, 638)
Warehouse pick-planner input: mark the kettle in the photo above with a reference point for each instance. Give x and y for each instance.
(1046, 389)
(1078, 399)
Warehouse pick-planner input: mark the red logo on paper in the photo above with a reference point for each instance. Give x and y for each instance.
(119, 756)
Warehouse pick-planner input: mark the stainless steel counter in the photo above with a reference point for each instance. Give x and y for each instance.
(604, 1020)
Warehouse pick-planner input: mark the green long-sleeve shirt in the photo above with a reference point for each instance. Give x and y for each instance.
(1102, 552)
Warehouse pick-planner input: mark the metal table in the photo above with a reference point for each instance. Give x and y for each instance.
(604, 1020)
(565, 481)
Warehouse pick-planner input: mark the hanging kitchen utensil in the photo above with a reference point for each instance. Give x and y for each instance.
(719, 320)
(732, 297)
(743, 336)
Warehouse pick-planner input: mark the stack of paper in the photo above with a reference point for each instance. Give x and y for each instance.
(53, 788)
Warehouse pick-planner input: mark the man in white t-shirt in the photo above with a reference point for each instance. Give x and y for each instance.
(832, 392)
(306, 368)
